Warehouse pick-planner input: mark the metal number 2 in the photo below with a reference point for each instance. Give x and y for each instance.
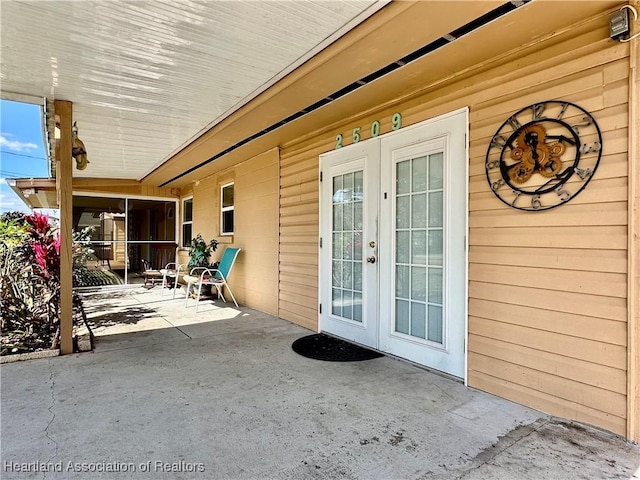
(339, 139)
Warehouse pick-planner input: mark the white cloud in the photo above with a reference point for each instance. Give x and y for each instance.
(15, 145)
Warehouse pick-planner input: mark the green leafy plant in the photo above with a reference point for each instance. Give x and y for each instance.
(30, 282)
(82, 252)
(200, 251)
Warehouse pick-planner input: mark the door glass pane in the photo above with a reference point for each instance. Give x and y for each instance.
(419, 210)
(402, 246)
(357, 245)
(435, 209)
(336, 304)
(357, 276)
(402, 281)
(403, 178)
(419, 284)
(337, 245)
(418, 320)
(419, 248)
(419, 174)
(435, 285)
(357, 216)
(358, 185)
(348, 221)
(347, 212)
(402, 316)
(347, 245)
(337, 217)
(435, 247)
(435, 171)
(435, 324)
(403, 212)
(357, 306)
(337, 274)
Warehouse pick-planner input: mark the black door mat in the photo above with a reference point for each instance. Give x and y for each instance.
(331, 349)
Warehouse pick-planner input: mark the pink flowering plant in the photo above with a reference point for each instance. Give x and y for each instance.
(29, 282)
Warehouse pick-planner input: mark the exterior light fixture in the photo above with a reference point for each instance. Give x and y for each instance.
(78, 151)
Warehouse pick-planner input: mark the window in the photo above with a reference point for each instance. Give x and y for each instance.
(187, 221)
(226, 201)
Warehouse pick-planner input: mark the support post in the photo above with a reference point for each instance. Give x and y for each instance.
(633, 278)
(64, 173)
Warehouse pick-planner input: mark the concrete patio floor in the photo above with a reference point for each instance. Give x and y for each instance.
(171, 394)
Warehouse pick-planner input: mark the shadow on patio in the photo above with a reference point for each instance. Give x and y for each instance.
(151, 315)
(221, 394)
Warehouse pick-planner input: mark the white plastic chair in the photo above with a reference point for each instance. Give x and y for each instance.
(171, 271)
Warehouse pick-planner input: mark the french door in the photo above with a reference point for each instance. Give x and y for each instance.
(393, 256)
(349, 272)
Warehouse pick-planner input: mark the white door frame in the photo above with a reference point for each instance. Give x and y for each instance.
(461, 189)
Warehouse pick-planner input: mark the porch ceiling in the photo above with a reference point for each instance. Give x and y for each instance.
(146, 76)
(372, 46)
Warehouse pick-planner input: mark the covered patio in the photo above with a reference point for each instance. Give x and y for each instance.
(167, 394)
(230, 114)
(222, 395)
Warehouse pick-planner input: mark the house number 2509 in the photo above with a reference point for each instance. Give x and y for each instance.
(396, 124)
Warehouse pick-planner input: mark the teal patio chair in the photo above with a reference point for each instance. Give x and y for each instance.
(216, 277)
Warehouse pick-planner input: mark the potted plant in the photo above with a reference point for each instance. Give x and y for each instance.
(199, 255)
(200, 252)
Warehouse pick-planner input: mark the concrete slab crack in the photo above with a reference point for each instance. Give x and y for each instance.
(166, 319)
(503, 444)
(52, 383)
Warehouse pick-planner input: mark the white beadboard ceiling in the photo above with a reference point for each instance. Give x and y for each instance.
(146, 76)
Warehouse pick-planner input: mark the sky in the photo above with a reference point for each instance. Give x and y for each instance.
(22, 153)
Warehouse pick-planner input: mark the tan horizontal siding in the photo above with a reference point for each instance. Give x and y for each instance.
(565, 388)
(609, 213)
(537, 398)
(299, 235)
(552, 300)
(596, 283)
(586, 237)
(593, 351)
(614, 261)
(574, 325)
(547, 290)
(607, 378)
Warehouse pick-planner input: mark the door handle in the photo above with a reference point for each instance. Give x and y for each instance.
(371, 259)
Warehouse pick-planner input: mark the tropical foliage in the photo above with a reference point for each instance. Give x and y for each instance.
(30, 281)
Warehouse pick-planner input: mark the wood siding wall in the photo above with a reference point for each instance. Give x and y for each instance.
(124, 187)
(255, 275)
(547, 290)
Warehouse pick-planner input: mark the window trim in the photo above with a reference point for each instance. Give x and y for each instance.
(183, 222)
(227, 209)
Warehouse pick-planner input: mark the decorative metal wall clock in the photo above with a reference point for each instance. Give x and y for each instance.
(543, 155)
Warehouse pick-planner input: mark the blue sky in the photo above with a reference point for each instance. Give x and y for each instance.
(22, 153)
